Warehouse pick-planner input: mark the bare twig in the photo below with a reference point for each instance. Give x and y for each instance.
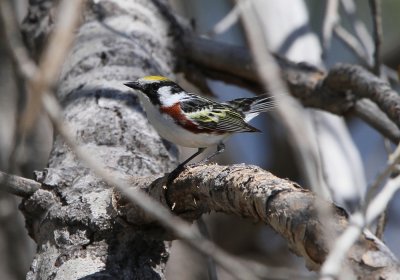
(332, 266)
(377, 27)
(380, 202)
(390, 73)
(351, 42)
(354, 45)
(18, 185)
(382, 220)
(372, 209)
(331, 19)
(69, 12)
(229, 20)
(393, 160)
(23, 61)
(363, 48)
(212, 271)
(369, 112)
(359, 28)
(24, 64)
(381, 224)
(288, 109)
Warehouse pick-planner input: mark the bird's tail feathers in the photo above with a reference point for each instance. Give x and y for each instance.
(251, 107)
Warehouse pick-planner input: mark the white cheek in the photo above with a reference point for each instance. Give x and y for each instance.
(168, 99)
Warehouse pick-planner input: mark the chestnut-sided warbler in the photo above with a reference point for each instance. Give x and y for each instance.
(193, 121)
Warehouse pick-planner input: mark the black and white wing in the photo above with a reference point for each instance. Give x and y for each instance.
(210, 115)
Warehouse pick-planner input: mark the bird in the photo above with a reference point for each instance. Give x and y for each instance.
(194, 121)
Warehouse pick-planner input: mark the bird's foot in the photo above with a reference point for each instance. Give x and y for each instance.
(220, 149)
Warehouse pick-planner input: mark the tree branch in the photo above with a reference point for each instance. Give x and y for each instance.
(18, 185)
(57, 48)
(252, 193)
(368, 111)
(358, 222)
(361, 83)
(352, 43)
(337, 91)
(359, 28)
(331, 19)
(255, 194)
(375, 7)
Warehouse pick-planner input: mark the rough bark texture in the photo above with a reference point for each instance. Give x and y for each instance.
(78, 233)
(255, 194)
(82, 229)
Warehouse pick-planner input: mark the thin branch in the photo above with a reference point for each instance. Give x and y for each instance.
(331, 18)
(332, 266)
(69, 12)
(227, 21)
(369, 112)
(365, 38)
(352, 43)
(23, 61)
(211, 268)
(372, 208)
(393, 161)
(390, 73)
(18, 185)
(354, 46)
(375, 7)
(300, 133)
(380, 202)
(359, 28)
(382, 220)
(381, 224)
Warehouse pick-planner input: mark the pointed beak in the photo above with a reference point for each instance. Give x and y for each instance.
(133, 85)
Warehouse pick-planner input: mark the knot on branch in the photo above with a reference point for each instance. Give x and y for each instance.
(363, 84)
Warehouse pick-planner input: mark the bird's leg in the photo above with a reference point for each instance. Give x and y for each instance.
(174, 173)
(220, 149)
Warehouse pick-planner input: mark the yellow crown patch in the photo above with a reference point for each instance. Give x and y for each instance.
(155, 78)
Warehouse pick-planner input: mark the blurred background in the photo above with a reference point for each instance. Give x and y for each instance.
(364, 150)
(270, 149)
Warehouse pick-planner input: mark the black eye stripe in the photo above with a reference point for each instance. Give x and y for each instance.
(174, 88)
